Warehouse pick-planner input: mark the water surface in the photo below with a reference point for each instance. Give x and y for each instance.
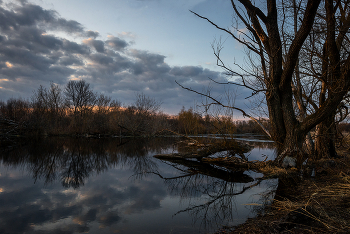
(66, 185)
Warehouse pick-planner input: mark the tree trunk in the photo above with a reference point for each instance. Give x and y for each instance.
(288, 131)
(293, 146)
(325, 139)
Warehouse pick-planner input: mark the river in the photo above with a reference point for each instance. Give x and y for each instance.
(68, 185)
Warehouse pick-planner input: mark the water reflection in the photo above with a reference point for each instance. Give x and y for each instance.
(212, 201)
(73, 160)
(123, 189)
(261, 151)
(212, 192)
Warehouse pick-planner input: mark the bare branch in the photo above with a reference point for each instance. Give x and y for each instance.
(255, 91)
(216, 102)
(298, 41)
(229, 32)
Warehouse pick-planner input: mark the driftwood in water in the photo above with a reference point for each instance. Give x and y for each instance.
(235, 165)
(268, 168)
(206, 151)
(195, 161)
(197, 167)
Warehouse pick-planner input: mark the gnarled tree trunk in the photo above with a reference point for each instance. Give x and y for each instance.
(279, 60)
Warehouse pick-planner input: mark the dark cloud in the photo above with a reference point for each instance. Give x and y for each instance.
(89, 216)
(102, 59)
(92, 34)
(150, 64)
(98, 45)
(69, 26)
(186, 71)
(109, 218)
(148, 58)
(32, 54)
(23, 57)
(34, 39)
(74, 48)
(116, 43)
(70, 60)
(27, 14)
(24, 15)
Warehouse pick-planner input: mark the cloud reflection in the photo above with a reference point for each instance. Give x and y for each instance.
(32, 208)
(113, 196)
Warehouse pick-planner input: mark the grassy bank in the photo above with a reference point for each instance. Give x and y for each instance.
(319, 204)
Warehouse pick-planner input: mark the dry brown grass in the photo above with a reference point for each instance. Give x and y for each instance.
(268, 169)
(319, 205)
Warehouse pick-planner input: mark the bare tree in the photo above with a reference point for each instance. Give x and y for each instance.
(146, 109)
(49, 100)
(274, 64)
(145, 104)
(79, 96)
(140, 118)
(103, 104)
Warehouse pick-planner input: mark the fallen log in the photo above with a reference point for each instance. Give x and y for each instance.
(198, 167)
(207, 150)
(230, 161)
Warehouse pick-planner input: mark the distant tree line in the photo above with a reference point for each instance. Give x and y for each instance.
(76, 109)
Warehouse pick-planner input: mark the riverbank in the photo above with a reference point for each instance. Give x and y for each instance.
(318, 204)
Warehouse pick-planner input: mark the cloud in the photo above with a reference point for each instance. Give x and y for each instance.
(109, 218)
(187, 71)
(74, 48)
(29, 42)
(89, 216)
(102, 59)
(98, 45)
(127, 35)
(19, 57)
(69, 26)
(92, 34)
(24, 15)
(116, 43)
(70, 60)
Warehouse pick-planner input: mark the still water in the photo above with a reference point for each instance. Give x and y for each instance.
(66, 185)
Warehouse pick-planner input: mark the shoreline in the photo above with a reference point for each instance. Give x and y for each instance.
(319, 204)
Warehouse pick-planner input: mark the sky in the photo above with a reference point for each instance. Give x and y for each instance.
(121, 47)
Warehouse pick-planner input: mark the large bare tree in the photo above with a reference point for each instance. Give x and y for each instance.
(275, 39)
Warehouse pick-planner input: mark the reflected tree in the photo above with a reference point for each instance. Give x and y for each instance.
(72, 161)
(216, 188)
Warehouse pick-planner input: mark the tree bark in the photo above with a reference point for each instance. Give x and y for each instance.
(325, 139)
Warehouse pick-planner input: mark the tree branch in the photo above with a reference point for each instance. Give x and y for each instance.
(227, 31)
(230, 107)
